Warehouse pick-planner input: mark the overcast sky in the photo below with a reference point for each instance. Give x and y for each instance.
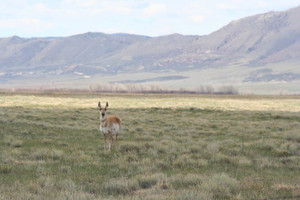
(33, 18)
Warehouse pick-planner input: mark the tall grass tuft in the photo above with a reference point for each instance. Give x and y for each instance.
(45, 154)
(120, 186)
(192, 195)
(221, 185)
(185, 181)
(150, 180)
(128, 147)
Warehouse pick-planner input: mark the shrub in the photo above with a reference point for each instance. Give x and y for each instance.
(212, 148)
(120, 186)
(191, 195)
(221, 185)
(264, 162)
(185, 181)
(130, 147)
(149, 181)
(5, 169)
(162, 165)
(228, 90)
(44, 154)
(13, 142)
(293, 136)
(185, 161)
(16, 143)
(244, 162)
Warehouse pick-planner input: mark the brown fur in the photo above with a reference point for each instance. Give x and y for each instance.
(107, 125)
(113, 120)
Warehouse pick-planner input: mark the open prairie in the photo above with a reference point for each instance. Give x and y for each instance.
(170, 147)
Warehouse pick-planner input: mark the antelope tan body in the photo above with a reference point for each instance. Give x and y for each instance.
(109, 126)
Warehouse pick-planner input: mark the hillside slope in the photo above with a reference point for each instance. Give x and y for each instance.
(263, 48)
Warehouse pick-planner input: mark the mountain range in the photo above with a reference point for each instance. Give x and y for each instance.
(257, 54)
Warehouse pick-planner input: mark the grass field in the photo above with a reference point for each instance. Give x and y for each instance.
(171, 147)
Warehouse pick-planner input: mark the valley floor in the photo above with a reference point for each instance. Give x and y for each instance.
(171, 147)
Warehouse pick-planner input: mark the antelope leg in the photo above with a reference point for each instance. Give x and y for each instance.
(112, 141)
(104, 141)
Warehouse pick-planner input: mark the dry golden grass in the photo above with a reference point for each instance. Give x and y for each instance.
(250, 103)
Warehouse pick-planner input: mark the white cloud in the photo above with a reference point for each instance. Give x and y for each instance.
(154, 9)
(85, 10)
(25, 23)
(197, 18)
(43, 8)
(7, 23)
(263, 4)
(111, 7)
(82, 3)
(110, 30)
(195, 8)
(225, 6)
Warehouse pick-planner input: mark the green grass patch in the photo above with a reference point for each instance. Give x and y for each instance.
(170, 147)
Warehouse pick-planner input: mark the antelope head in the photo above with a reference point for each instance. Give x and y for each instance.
(102, 110)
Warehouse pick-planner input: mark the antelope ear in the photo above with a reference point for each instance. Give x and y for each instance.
(99, 104)
(106, 105)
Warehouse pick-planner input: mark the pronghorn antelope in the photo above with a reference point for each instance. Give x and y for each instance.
(109, 126)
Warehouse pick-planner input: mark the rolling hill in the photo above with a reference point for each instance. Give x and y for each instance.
(258, 54)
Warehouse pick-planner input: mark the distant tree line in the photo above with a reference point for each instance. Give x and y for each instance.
(143, 88)
(134, 88)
